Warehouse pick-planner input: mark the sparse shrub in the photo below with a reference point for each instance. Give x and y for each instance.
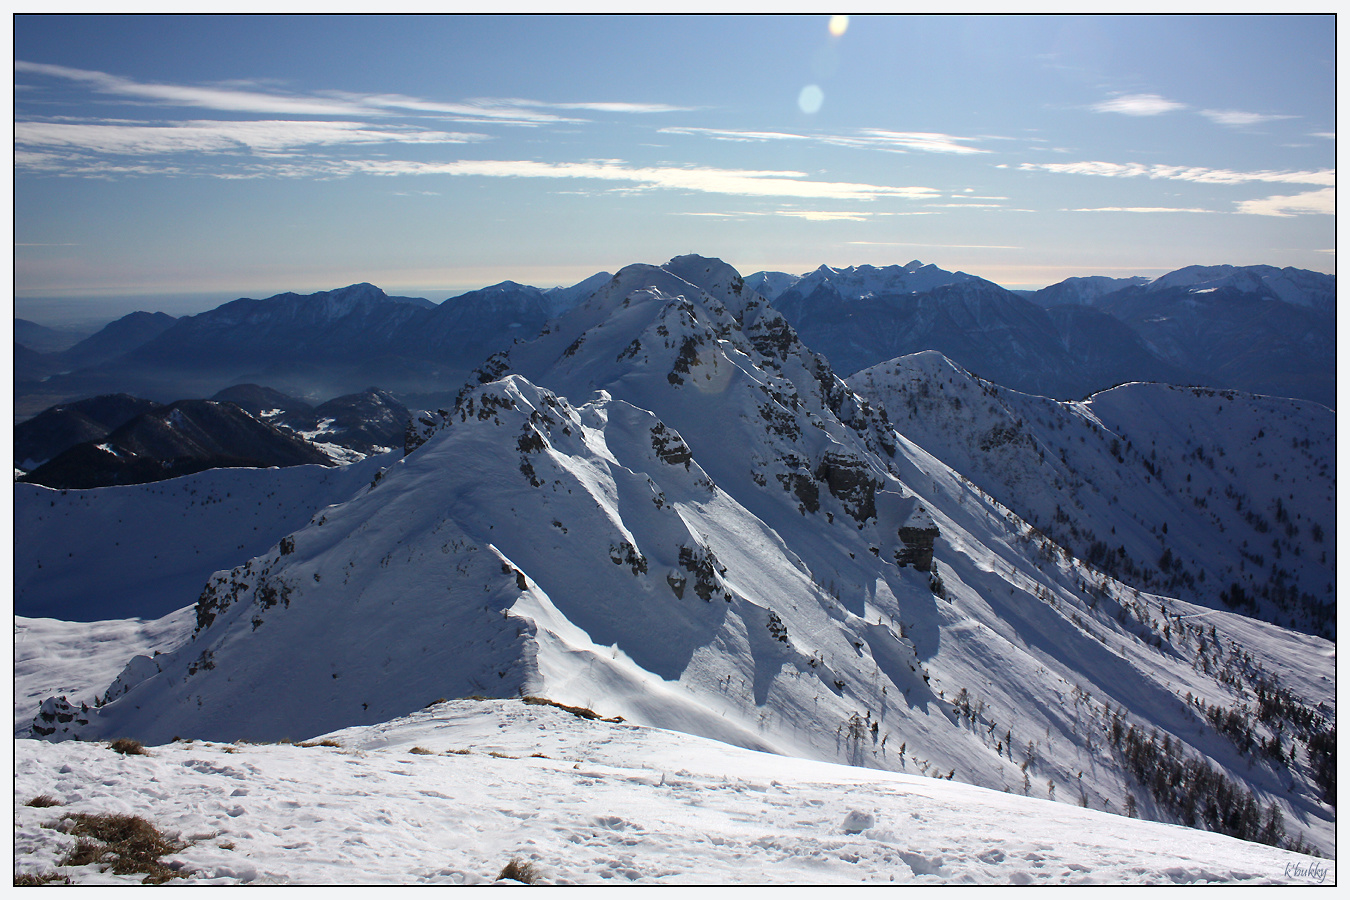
(129, 844)
(422, 751)
(326, 742)
(460, 751)
(128, 747)
(500, 755)
(33, 879)
(519, 870)
(42, 801)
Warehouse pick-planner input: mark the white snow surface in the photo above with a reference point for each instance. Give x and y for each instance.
(451, 794)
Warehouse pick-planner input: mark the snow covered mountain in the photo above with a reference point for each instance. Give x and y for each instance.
(1221, 498)
(1004, 337)
(1256, 328)
(1082, 291)
(704, 529)
(1299, 287)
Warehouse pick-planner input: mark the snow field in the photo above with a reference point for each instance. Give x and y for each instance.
(603, 803)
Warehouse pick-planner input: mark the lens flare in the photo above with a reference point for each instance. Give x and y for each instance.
(810, 99)
(838, 25)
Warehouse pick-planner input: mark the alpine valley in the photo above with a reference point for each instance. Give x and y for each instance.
(657, 500)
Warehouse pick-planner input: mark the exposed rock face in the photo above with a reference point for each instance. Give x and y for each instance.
(851, 481)
(917, 534)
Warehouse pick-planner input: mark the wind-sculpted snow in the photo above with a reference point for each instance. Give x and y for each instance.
(666, 508)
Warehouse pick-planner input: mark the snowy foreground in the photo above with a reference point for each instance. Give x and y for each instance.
(453, 793)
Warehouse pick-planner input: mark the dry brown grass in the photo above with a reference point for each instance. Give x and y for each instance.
(422, 751)
(519, 870)
(580, 712)
(43, 801)
(326, 742)
(128, 747)
(129, 845)
(33, 879)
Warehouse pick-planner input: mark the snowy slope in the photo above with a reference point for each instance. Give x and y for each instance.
(1182, 491)
(1299, 287)
(147, 549)
(451, 794)
(672, 511)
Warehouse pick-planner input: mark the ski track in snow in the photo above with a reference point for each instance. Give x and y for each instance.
(604, 804)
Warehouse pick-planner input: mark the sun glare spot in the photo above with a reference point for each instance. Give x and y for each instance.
(810, 99)
(838, 25)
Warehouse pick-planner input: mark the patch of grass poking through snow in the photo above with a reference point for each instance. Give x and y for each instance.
(128, 747)
(519, 870)
(129, 845)
(580, 712)
(422, 751)
(33, 879)
(43, 801)
(326, 742)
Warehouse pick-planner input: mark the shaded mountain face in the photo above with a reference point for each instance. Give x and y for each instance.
(666, 507)
(182, 438)
(264, 402)
(44, 340)
(61, 427)
(1222, 498)
(116, 338)
(145, 550)
(1234, 337)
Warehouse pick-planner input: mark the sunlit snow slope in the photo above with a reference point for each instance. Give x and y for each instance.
(1221, 497)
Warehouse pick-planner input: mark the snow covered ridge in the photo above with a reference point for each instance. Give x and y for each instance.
(1219, 497)
(666, 508)
(454, 793)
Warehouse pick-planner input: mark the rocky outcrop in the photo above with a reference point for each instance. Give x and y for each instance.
(917, 535)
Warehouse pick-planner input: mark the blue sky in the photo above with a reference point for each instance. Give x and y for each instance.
(194, 157)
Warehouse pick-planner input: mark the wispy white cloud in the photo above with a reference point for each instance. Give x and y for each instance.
(212, 136)
(635, 108)
(743, 182)
(1197, 174)
(1138, 105)
(740, 136)
(1315, 202)
(1142, 209)
(249, 97)
(864, 138)
(1239, 119)
(902, 141)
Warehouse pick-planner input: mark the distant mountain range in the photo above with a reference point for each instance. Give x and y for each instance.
(1253, 328)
